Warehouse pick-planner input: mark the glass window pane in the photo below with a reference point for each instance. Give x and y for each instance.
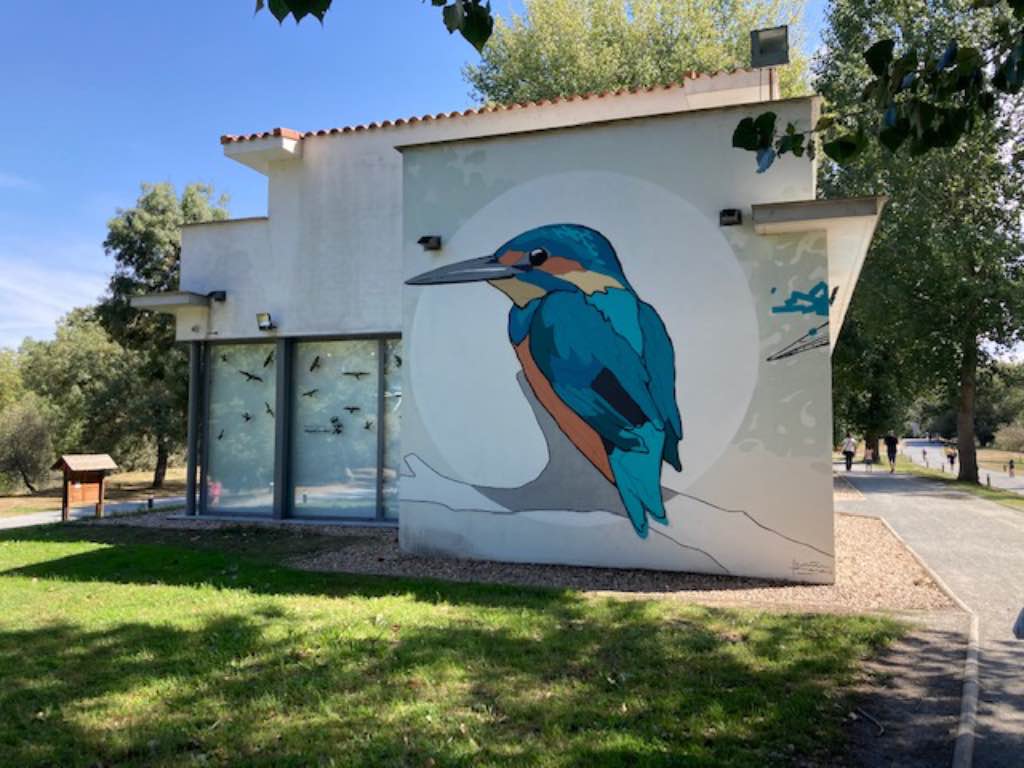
(334, 433)
(392, 424)
(241, 429)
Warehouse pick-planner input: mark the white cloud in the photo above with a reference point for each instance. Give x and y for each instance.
(40, 282)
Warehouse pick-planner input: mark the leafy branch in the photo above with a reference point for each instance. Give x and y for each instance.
(923, 102)
(470, 18)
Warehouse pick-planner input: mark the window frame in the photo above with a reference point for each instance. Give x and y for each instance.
(284, 487)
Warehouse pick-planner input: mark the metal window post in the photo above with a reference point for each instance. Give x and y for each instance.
(195, 372)
(283, 430)
(204, 430)
(382, 346)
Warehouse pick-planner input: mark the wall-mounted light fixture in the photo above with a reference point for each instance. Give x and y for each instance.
(217, 295)
(265, 322)
(430, 242)
(730, 217)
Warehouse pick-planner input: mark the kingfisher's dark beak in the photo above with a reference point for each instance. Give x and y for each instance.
(469, 271)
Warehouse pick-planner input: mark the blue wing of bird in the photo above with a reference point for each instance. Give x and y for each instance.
(660, 359)
(602, 377)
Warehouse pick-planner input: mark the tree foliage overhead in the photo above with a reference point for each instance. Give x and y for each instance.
(568, 47)
(145, 242)
(470, 18)
(944, 70)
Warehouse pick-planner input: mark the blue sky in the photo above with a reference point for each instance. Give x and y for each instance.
(97, 101)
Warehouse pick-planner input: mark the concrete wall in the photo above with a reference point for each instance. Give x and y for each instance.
(487, 472)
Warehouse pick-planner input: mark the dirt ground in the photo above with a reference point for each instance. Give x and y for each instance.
(874, 572)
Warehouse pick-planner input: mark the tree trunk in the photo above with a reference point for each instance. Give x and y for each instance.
(27, 482)
(161, 463)
(965, 415)
(871, 439)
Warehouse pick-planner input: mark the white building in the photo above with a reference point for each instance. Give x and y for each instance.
(535, 422)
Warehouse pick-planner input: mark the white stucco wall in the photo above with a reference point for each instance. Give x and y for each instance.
(328, 258)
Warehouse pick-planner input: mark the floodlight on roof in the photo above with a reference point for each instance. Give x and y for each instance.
(769, 47)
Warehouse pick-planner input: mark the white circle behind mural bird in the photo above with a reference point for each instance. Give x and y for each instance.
(464, 368)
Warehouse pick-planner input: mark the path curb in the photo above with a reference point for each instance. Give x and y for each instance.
(963, 750)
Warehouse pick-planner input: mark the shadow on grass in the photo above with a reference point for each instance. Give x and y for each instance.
(287, 544)
(159, 564)
(441, 674)
(624, 690)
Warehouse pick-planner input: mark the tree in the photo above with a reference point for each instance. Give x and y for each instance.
(145, 242)
(873, 373)
(88, 383)
(947, 71)
(568, 47)
(999, 402)
(25, 449)
(11, 387)
(948, 252)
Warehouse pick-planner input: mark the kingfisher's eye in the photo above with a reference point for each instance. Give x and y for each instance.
(538, 256)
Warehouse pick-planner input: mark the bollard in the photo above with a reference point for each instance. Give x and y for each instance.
(149, 503)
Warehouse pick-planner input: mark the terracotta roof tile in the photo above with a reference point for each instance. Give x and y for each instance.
(288, 133)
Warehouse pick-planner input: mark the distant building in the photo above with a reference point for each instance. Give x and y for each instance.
(584, 314)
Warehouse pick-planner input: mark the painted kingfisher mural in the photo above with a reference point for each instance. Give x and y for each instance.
(597, 357)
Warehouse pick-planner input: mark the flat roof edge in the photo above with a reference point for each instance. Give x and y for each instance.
(240, 220)
(811, 98)
(169, 301)
(791, 215)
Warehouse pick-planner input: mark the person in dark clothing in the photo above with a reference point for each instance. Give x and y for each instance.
(891, 443)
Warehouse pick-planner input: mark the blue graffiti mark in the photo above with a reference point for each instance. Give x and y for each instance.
(814, 301)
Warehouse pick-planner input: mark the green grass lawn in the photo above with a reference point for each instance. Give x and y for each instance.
(1006, 498)
(153, 648)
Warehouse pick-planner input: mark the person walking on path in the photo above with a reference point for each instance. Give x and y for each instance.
(891, 443)
(869, 459)
(951, 456)
(1011, 467)
(849, 449)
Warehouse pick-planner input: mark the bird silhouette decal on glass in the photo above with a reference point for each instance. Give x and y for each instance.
(597, 357)
(268, 359)
(270, 411)
(357, 375)
(368, 424)
(246, 416)
(310, 393)
(315, 364)
(250, 376)
(352, 409)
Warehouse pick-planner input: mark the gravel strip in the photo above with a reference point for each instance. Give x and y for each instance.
(842, 490)
(874, 572)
